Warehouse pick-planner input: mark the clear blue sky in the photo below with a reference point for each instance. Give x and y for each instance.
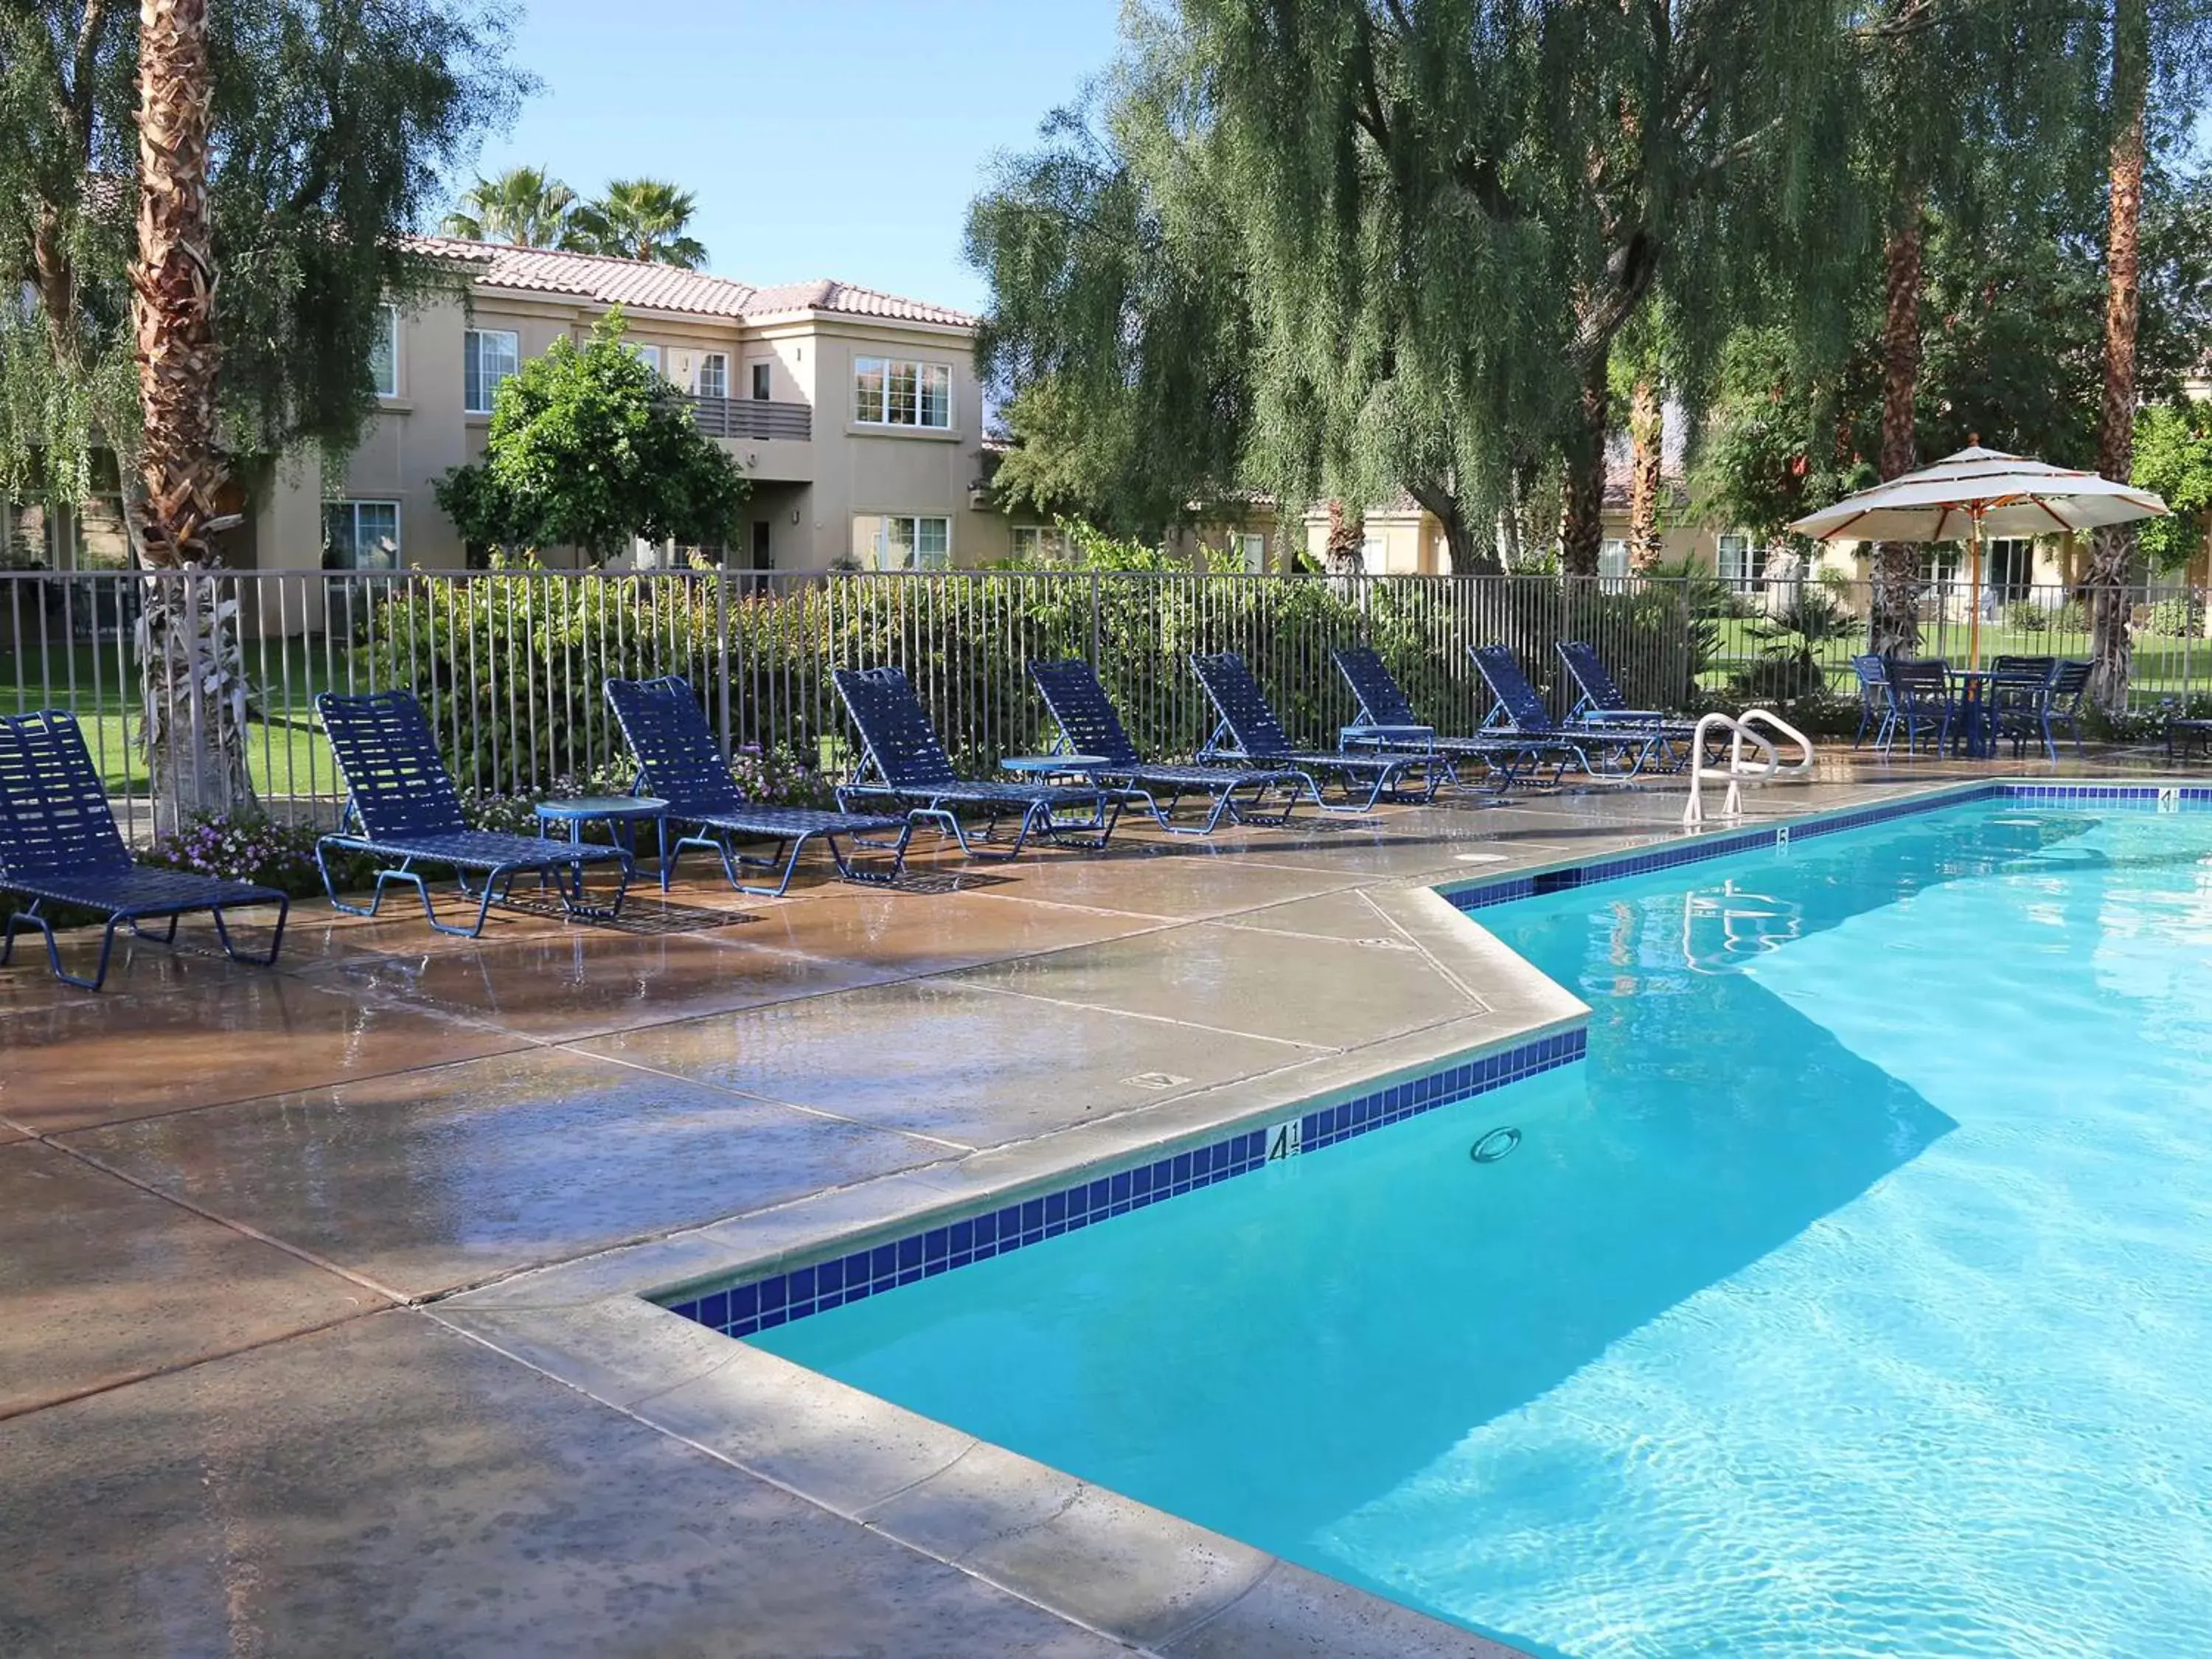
(822, 137)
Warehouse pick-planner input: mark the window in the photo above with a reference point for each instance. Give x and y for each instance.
(2008, 569)
(1739, 564)
(760, 383)
(384, 353)
(1253, 551)
(764, 545)
(1944, 563)
(647, 355)
(1034, 544)
(1612, 560)
(889, 392)
(489, 355)
(360, 535)
(899, 541)
(714, 376)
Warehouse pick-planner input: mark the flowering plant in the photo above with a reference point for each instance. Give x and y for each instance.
(257, 849)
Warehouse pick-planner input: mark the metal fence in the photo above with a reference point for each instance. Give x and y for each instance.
(511, 663)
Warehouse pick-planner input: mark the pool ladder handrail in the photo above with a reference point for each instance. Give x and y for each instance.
(1737, 771)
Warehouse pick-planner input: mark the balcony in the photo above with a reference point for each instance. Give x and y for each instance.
(744, 417)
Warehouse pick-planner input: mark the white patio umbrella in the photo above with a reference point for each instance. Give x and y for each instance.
(1979, 493)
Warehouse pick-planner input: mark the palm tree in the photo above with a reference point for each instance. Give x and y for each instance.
(193, 673)
(2112, 557)
(524, 206)
(640, 219)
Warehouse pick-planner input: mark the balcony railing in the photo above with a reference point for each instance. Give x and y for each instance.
(747, 417)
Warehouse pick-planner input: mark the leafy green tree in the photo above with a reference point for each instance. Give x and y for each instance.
(638, 219)
(316, 129)
(2173, 456)
(589, 447)
(525, 206)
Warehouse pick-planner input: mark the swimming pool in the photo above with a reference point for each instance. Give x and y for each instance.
(1850, 1297)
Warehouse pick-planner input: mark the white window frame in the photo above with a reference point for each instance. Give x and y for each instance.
(876, 555)
(1993, 580)
(353, 504)
(647, 355)
(763, 380)
(1750, 574)
(1042, 542)
(881, 412)
(722, 360)
(388, 387)
(1613, 560)
(1252, 547)
(472, 342)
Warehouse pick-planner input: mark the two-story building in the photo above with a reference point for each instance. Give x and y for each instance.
(857, 415)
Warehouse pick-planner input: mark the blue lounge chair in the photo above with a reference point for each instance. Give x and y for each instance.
(680, 763)
(1607, 750)
(902, 761)
(1249, 733)
(1388, 720)
(1089, 725)
(407, 810)
(60, 845)
(1602, 702)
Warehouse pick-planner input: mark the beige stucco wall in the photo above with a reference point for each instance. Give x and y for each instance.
(806, 492)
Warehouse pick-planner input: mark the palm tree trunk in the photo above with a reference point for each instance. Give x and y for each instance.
(1647, 437)
(2111, 556)
(1582, 518)
(1894, 619)
(195, 693)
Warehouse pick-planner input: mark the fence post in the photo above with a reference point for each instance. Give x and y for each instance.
(1095, 643)
(722, 654)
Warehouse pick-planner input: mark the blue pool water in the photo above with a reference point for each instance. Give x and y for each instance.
(1854, 1297)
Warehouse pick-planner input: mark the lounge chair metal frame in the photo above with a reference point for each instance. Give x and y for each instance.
(1516, 707)
(403, 801)
(1089, 725)
(59, 844)
(1388, 720)
(680, 762)
(1248, 733)
(902, 760)
(1602, 703)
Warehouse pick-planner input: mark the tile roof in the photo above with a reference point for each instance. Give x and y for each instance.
(664, 287)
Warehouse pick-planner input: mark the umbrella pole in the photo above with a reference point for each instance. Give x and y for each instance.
(1974, 592)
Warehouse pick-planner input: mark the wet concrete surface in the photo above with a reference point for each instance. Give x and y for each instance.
(222, 1427)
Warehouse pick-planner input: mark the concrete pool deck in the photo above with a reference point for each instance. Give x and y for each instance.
(321, 1331)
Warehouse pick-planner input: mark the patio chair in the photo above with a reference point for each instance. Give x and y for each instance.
(680, 763)
(60, 845)
(1388, 720)
(902, 761)
(1876, 710)
(1248, 733)
(406, 811)
(1089, 725)
(1517, 708)
(2038, 710)
(1602, 702)
(1920, 700)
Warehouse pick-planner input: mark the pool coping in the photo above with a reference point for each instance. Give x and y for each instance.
(1107, 1562)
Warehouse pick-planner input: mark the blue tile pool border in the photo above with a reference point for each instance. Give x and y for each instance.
(759, 1304)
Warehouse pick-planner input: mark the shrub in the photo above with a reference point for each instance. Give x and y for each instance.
(255, 849)
(2026, 616)
(2176, 618)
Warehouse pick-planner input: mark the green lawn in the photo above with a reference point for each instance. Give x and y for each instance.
(287, 755)
(2164, 666)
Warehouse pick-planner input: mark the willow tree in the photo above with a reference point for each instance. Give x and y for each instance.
(1119, 336)
(330, 125)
